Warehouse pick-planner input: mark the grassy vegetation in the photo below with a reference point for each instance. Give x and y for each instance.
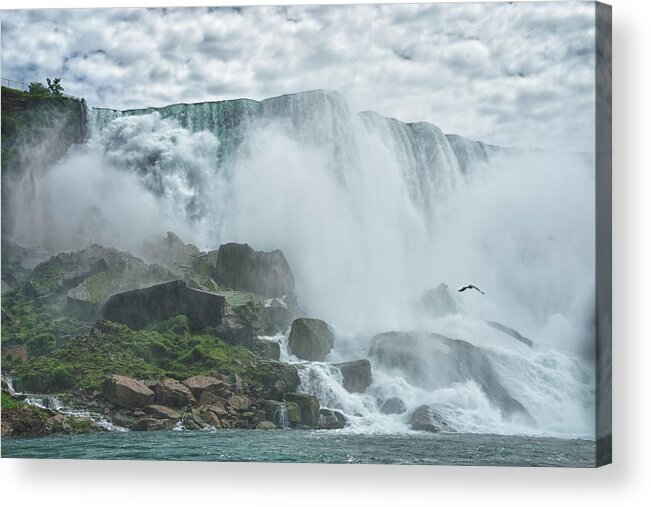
(9, 403)
(165, 350)
(65, 354)
(36, 326)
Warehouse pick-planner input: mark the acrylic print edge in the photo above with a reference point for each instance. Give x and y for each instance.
(603, 275)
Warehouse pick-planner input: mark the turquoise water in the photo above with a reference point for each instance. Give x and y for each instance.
(309, 447)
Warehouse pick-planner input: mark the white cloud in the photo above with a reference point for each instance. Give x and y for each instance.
(506, 73)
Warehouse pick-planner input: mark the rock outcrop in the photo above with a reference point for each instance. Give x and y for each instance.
(424, 418)
(267, 348)
(432, 361)
(126, 392)
(331, 419)
(142, 307)
(311, 339)
(308, 405)
(239, 267)
(201, 384)
(173, 254)
(172, 393)
(357, 375)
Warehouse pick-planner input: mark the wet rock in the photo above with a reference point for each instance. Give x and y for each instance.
(239, 267)
(160, 412)
(151, 424)
(283, 414)
(279, 315)
(239, 403)
(210, 398)
(331, 419)
(309, 406)
(432, 361)
(356, 374)
(173, 393)
(276, 378)
(211, 414)
(424, 418)
(267, 348)
(393, 406)
(200, 384)
(126, 392)
(266, 425)
(173, 254)
(234, 328)
(311, 339)
(142, 307)
(79, 304)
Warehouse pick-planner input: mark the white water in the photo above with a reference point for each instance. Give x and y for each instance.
(52, 402)
(371, 213)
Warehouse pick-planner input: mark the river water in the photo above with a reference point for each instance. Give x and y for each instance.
(296, 446)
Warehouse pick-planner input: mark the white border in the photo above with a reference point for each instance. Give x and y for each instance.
(626, 482)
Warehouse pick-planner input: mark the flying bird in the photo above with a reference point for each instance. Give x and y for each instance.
(471, 286)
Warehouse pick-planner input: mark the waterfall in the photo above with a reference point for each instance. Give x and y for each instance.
(371, 213)
(280, 418)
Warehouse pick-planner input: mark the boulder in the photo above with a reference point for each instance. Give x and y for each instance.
(283, 414)
(211, 398)
(278, 314)
(151, 424)
(309, 406)
(426, 419)
(80, 305)
(433, 361)
(80, 273)
(331, 419)
(200, 384)
(216, 408)
(267, 348)
(126, 392)
(266, 425)
(239, 267)
(172, 254)
(234, 328)
(173, 393)
(162, 412)
(275, 377)
(212, 414)
(311, 339)
(142, 307)
(356, 374)
(239, 403)
(276, 411)
(393, 406)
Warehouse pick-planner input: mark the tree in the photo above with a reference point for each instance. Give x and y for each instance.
(55, 88)
(36, 88)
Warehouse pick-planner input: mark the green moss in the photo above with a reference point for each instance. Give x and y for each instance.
(9, 403)
(165, 350)
(36, 326)
(106, 283)
(80, 425)
(47, 274)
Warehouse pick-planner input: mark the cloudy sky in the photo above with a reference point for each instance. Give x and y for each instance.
(507, 73)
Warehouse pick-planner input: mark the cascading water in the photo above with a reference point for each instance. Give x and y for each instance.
(280, 418)
(371, 213)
